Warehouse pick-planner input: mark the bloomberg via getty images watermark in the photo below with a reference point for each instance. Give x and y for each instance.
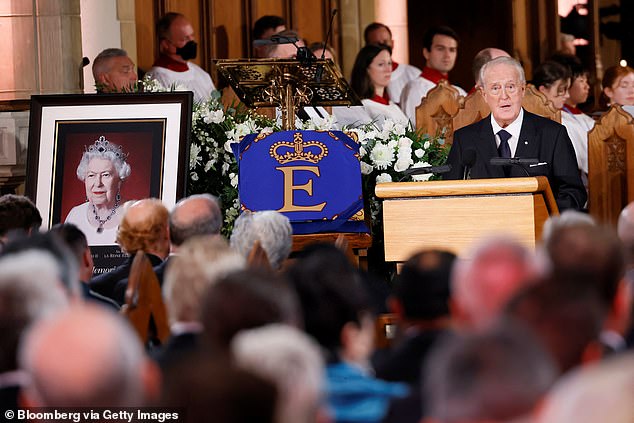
(89, 415)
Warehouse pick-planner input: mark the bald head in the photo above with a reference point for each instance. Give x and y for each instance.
(65, 357)
(485, 55)
(197, 215)
(144, 227)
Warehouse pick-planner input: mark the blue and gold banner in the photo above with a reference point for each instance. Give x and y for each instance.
(312, 177)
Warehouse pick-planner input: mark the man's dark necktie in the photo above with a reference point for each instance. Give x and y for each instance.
(504, 150)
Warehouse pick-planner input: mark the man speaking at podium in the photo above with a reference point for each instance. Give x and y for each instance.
(514, 136)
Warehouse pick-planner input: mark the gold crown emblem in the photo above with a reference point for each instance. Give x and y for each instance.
(298, 150)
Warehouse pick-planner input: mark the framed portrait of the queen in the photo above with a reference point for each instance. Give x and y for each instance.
(90, 154)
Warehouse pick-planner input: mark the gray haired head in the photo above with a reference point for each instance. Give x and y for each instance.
(104, 149)
(508, 61)
(271, 228)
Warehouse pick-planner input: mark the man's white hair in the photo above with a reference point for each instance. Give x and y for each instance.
(503, 60)
(290, 359)
(33, 277)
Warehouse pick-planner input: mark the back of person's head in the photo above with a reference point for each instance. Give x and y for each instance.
(428, 38)
(590, 255)
(330, 292)
(216, 390)
(244, 300)
(65, 355)
(67, 266)
(598, 393)
(483, 57)
(29, 290)
(496, 375)
(566, 219)
(422, 288)
(549, 72)
(572, 62)
(289, 358)
(144, 227)
(360, 80)
(487, 277)
(196, 215)
(201, 262)
(265, 26)
(374, 26)
(164, 25)
(273, 231)
(72, 237)
(565, 316)
(18, 212)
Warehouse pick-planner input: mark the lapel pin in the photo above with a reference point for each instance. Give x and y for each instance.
(525, 142)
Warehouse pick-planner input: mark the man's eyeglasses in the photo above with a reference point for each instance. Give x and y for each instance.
(509, 88)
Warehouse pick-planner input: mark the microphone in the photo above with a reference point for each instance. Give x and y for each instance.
(320, 70)
(468, 160)
(425, 170)
(514, 161)
(275, 39)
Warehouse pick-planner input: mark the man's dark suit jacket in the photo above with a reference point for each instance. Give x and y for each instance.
(105, 284)
(122, 285)
(541, 139)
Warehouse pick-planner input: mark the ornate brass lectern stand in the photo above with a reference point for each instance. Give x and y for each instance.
(287, 84)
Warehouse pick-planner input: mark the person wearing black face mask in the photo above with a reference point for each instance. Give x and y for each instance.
(177, 46)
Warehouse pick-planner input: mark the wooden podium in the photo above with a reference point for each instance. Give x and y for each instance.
(452, 215)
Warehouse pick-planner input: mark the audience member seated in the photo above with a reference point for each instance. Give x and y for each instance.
(618, 86)
(337, 316)
(402, 73)
(370, 78)
(565, 316)
(86, 357)
(510, 131)
(245, 300)
(29, 291)
(216, 390)
(593, 257)
(263, 28)
(17, 212)
(201, 262)
(440, 49)
(271, 229)
(292, 361)
(196, 215)
(576, 122)
(177, 46)
(421, 304)
(482, 283)
(76, 241)
(144, 227)
(626, 235)
(114, 72)
(499, 375)
(601, 393)
(67, 268)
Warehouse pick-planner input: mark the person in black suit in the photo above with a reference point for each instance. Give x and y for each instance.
(144, 228)
(510, 131)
